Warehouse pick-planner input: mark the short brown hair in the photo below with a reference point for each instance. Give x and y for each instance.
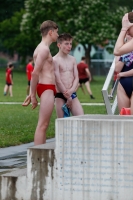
(46, 26)
(64, 36)
(83, 58)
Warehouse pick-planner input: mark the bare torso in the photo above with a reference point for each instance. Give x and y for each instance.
(66, 70)
(46, 75)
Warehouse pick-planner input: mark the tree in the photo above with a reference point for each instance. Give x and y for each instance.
(8, 7)
(89, 21)
(93, 23)
(13, 39)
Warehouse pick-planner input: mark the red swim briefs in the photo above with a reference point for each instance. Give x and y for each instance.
(42, 87)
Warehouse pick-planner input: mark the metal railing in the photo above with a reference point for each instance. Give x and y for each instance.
(110, 107)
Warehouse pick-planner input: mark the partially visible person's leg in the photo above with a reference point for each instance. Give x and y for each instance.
(6, 88)
(58, 105)
(77, 87)
(82, 88)
(131, 104)
(45, 112)
(87, 84)
(122, 98)
(80, 85)
(10, 91)
(76, 108)
(28, 88)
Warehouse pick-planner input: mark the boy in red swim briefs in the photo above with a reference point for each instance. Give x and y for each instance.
(43, 80)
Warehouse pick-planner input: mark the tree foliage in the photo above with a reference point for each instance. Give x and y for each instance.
(89, 21)
(8, 7)
(12, 38)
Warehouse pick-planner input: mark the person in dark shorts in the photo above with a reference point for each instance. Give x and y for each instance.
(66, 78)
(9, 79)
(84, 76)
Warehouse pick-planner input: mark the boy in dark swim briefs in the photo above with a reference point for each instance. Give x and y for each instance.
(66, 77)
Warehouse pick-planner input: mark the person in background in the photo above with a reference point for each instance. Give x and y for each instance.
(84, 76)
(29, 70)
(9, 79)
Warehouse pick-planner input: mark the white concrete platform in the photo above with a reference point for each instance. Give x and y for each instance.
(91, 160)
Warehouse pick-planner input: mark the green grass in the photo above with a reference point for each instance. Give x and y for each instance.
(17, 123)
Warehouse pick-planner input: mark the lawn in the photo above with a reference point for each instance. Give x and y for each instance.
(17, 124)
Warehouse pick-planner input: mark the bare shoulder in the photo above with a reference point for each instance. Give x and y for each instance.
(56, 59)
(72, 58)
(42, 50)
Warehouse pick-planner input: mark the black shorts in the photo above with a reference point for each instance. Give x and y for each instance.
(29, 83)
(61, 96)
(83, 80)
(8, 84)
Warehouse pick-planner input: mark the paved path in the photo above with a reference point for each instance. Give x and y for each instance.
(15, 156)
(13, 151)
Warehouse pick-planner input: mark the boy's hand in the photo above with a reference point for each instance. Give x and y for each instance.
(27, 101)
(67, 93)
(34, 102)
(69, 103)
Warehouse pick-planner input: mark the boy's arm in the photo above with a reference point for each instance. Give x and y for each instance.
(76, 78)
(58, 81)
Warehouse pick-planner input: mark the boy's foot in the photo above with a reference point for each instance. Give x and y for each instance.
(4, 93)
(91, 96)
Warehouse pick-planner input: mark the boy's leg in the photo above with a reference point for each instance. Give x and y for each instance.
(45, 112)
(6, 89)
(10, 90)
(82, 87)
(87, 84)
(58, 105)
(28, 90)
(76, 108)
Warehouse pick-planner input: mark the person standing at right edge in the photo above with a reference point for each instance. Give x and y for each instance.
(122, 48)
(84, 76)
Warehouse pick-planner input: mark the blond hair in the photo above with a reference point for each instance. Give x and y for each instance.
(46, 26)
